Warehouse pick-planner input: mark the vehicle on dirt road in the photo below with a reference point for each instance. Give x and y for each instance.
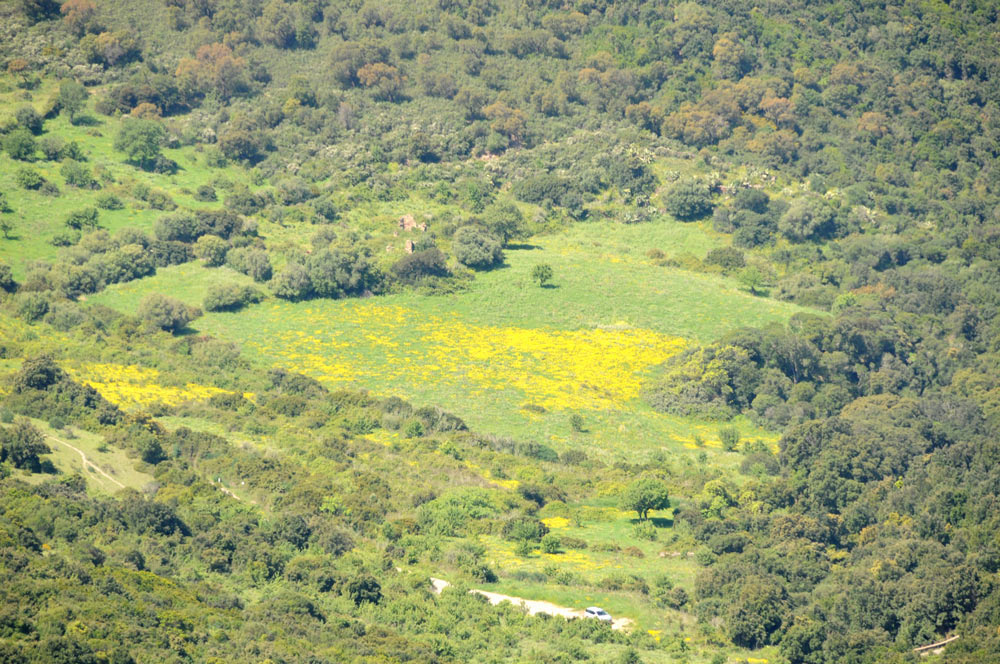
(598, 613)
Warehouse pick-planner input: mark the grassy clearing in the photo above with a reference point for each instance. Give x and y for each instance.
(111, 460)
(508, 356)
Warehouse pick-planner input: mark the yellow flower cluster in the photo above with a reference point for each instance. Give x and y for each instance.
(369, 344)
(131, 386)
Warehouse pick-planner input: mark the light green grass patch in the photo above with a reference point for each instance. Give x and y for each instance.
(113, 461)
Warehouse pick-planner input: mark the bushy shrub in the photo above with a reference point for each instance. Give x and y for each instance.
(212, 249)
(52, 147)
(205, 193)
(20, 145)
(689, 200)
(84, 218)
(230, 297)
(254, 263)
(32, 306)
(292, 283)
(728, 258)
(166, 313)
(524, 528)
(28, 178)
(476, 248)
(78, 175)
(108, 201)
(420, 265)
(28, 118)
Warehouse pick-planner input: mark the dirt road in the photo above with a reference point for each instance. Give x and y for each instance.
(533, 606)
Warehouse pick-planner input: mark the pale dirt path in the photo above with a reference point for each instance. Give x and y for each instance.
(87, 462)
(533, 606)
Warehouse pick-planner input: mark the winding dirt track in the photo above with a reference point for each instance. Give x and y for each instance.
(87, 463)
(533, 606)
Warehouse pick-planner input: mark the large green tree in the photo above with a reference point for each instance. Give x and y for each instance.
(140, 140)
(643, 495)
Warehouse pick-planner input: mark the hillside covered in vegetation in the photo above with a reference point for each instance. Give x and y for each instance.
(687, 310)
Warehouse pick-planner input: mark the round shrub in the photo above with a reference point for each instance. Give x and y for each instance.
(689, 200)
(476, 248)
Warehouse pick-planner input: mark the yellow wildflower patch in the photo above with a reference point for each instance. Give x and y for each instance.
(370, 343)
(556, 522)
(131, 386)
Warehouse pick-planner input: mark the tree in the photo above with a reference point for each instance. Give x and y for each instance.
(384, 79)
(20, 67)
(211, 249)
(20, 145)
(689, 200)
(72, 98)
(476, 248)
(808, 219)
(85, 218)
(79, 16)
(643, 495)
(140, 140)
(166, 313)
(39, 10)
(364, 589)
(757, 613)
(292, 283)
(6, 226)
(21, 444)
(28, 118)
(505, 221)
(214, 68)
(542, 273)
(755, 278)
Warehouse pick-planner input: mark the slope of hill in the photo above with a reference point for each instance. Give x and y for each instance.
(686, 310)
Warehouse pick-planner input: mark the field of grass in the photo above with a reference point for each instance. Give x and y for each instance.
(506, 355)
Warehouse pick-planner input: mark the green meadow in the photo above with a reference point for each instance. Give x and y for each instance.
(449, 349)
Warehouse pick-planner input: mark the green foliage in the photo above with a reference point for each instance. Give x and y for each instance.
(729, 437)
(72, 98)
(166, 313)
(86, 218)
(212, 250)
(140, 140)
(228, 297)
(643, 495)
(20, 145)
(689, 200)
(77, 174)
(28, 178)
(420, 265)
(476, 248)
(542, 273)
(28, 118)
(21, 444)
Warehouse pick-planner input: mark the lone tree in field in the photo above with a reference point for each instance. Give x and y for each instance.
(643, 495)
(542, 273)
(166, 313)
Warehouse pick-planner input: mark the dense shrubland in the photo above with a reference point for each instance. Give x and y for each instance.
(850, 158)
